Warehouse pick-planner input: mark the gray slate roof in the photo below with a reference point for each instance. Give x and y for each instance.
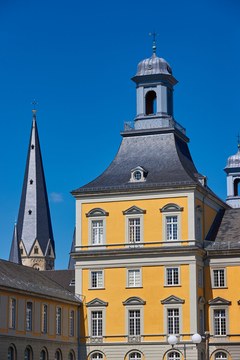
(36, 225)
(62, 277)
(228, 235)
(29, 280)
(163, 153)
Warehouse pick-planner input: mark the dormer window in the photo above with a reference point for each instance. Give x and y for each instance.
(138, 174)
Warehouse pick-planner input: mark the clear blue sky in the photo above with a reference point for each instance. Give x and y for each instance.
(76, 58)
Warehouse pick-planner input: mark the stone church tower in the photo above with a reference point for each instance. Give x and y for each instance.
(33, 243)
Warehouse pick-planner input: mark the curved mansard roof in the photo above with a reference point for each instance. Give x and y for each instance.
(164, 156)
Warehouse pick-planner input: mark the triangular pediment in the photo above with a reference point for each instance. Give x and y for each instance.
(219, 301)
(134, 300)
(96, 302)
(172, 300)
(134, 210)
(97, 212)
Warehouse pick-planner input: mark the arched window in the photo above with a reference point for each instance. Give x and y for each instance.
(135, 356)
(12, 355)
(220, 355)
(151, 99)
(71, 355)
(43, 355)
(174, 355)
(236, 187)
(28, 354)
(58, 355)
(96, 356)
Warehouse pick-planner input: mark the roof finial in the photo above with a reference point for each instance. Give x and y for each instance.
(34, 110)
(154, 46)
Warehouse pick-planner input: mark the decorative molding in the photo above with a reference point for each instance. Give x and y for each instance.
(134, 300)
(134, 210)
(96, 303)
(97, 212)
(219, 301)
(201, 300)
(171, 207)
(172, 299)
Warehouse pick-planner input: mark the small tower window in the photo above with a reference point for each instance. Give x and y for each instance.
(32, 146)
(236, 187)
(151, 100)
(35, 250)
(31, 182)
(21, 251)
(29, 212)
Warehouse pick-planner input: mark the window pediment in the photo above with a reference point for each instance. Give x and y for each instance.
(97, 212)
(172, 299)
(219, 301)
(96, 302)
(171, 208)
(134, 210)
(134, 300)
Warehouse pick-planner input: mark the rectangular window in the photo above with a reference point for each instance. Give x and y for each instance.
(134, 278)
(134, 230)
(71, 323)
(219, 278)
(97, 279)
(220, 322)
(172, 276)
(58, 321)
(97, 323)
(134, 322)
(12, 313)
(29, 316)
(44, 318)
(97, 232)
(172, 227)
(173, 321)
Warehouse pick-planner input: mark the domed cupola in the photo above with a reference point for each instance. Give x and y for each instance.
(153, 65)
(233, 179)
(155, 82)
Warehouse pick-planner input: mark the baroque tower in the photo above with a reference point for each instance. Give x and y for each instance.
(233, 179)
(33, 231)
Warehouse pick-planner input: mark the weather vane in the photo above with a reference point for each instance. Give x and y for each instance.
(154, 46)
(34, 104)
(238, 138)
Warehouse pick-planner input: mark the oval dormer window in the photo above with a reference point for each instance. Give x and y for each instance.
(137, 175)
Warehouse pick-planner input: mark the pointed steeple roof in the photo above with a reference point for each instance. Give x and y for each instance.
(34, 221)
(71, 263)
(15, 251)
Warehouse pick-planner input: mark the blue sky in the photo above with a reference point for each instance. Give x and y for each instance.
(77, 58)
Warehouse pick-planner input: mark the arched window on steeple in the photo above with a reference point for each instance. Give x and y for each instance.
(151, 103)
(236, 187)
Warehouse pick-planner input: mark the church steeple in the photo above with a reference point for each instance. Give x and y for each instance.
(15, 251)
(34, 228)
(233, 179)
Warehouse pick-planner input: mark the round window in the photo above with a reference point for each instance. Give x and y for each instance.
(137, 175)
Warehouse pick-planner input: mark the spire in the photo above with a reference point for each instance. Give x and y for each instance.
(154, 45)
(15, 251)
(71, 263)
(34, 222)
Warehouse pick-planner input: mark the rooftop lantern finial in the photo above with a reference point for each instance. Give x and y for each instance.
(154, 46)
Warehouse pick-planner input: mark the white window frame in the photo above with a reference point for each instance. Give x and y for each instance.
(99, 320)
(174, 355)
(218, 285)
(90, 311)
(29, 316)
(168, 307)
(219, 308)
(44, 325)
(72, 323)
(129, 217)
(91, 221)
(166, 276)
(135, 285)
(171, 210)
(136, 337)
(217, 357)
(91, 272)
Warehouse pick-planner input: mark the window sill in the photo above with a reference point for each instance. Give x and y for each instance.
(220, 287)
(177, 285)
(134, 287)
(97, 288)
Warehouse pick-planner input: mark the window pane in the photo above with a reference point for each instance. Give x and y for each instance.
(44, 318)
(172, 276)
(220, 356)
(135, 356)
(134, 322)
(134, 230)
(97, 279)
(173, 321)
(96, 356)
(71, 323)
(97, 232)
(97, 323)
(219, 278)
(58, 321)
(29, 316)
(220, 322)
(173, 355)
(12, 313)
(172, 227)
(134, 278)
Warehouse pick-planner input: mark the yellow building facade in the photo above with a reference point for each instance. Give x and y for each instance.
(147, 261)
